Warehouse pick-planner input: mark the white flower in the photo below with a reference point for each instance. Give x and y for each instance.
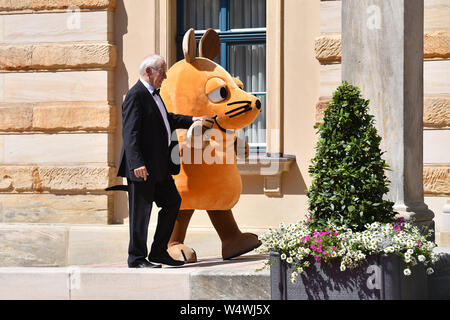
(283, 256)
(407, 272)
(421, 258)
(389, 249)
(430, 271)
(289, 260)
(342, 267)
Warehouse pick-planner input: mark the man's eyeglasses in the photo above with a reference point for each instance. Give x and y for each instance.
(160, 72)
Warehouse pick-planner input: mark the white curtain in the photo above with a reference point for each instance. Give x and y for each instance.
(248, 64)
(248, 14)
(201, 14)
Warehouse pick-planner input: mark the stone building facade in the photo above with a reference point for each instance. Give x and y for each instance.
(65, 66)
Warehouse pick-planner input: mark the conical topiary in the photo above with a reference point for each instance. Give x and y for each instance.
(348, 177)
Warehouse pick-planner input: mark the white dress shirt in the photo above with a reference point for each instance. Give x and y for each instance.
(161, 107)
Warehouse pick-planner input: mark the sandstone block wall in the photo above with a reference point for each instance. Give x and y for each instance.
(57, 111)
(436, 116)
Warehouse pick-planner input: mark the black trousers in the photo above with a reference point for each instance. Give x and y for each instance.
(141, 196)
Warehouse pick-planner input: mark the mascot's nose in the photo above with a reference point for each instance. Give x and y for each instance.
(258, 104)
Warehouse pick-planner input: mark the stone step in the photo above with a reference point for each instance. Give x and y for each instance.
(58, 245)
(209, 279)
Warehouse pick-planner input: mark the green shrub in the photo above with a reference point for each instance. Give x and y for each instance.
(348, 177)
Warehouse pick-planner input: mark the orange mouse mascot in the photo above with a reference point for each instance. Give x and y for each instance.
(209, 179)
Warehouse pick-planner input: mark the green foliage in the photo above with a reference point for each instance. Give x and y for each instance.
(348, 177)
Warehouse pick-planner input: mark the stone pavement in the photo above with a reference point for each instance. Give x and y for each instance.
(210, 278)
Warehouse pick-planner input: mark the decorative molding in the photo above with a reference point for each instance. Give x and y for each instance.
(436, 111)
(328, 48)
(58, 117)
(436, 180)
(57, 56)
(436, 46)
(46, 5)
(56, 179)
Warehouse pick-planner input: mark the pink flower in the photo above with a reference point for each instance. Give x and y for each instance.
(333, 248)
(318, 240)
(335, 234)
(324, 252)
(317, 258)
(419, 243)
(313, 247)
(320, 245)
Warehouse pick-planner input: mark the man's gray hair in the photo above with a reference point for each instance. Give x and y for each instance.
(150, 61)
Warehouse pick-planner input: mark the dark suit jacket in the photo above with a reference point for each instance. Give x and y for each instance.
(145, 141)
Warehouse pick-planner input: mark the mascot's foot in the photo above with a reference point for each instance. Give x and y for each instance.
(241, 244)
(183, 253)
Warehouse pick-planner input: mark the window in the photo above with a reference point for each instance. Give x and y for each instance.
(241, 25)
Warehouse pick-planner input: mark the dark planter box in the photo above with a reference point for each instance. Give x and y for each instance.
(380, 277)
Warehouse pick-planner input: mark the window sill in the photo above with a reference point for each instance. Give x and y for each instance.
(270, 167)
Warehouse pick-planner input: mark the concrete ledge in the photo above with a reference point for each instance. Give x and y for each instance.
(232, 279)
(209, 279)
(59, 245)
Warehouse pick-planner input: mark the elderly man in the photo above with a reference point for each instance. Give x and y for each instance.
(146, 161)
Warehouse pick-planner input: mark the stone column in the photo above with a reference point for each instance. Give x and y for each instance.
(382, 54)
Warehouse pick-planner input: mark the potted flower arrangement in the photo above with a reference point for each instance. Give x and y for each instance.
(352, 245)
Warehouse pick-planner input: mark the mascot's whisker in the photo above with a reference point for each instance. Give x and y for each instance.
(247, 108)
(236, 102)
(236, 109)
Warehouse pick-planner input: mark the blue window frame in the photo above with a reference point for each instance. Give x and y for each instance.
(241, 25)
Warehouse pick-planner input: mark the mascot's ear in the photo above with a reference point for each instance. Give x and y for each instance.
(210, 44)
(189, 46)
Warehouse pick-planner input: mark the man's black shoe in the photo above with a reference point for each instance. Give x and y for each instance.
(145, 264)
(165, 258)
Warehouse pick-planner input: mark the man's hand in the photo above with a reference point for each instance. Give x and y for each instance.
(141, 172)
(207, 122)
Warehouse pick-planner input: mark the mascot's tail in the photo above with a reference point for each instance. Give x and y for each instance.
(118, 188)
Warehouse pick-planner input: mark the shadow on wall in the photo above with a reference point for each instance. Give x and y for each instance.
(121, 87)
(292, 183)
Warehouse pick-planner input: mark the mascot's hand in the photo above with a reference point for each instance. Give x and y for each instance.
(241, 148)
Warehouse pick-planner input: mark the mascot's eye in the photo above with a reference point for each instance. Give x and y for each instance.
(218, 95)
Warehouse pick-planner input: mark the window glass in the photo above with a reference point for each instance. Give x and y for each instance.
(248, 64)
(201, 14)
(248, 14)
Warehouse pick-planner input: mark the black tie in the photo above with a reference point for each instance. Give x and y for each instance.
(156, 92)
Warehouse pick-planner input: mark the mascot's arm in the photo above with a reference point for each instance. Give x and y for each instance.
(131, 125)
(180, 121)
(241, 148)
